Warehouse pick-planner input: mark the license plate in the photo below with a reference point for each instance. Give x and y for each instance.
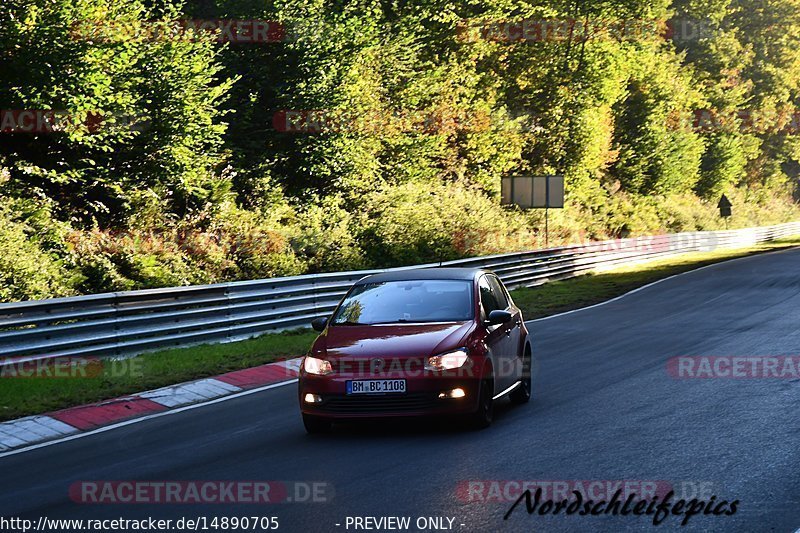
(376, 386)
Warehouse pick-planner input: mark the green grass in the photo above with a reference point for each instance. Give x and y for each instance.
(25, 396)
(574, 293)
(21, 396)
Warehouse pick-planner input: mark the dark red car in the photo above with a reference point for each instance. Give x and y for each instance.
(440, 341)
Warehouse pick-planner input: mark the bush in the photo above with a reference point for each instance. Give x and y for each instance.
(327, 237)
(136, 259)
(416, 223)
(28, 271)
(232, 245)
(259, 243)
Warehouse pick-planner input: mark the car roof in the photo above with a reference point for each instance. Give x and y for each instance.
(467, 274)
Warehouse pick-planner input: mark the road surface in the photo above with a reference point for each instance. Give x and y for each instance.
(605, 408)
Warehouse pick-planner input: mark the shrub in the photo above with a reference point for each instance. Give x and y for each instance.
(421, 223)
(28, 271)
(327, 237)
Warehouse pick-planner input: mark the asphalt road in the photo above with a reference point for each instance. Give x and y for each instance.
(605, 408)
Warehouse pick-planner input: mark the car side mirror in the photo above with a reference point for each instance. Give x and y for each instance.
(499, 316)
(319, 323)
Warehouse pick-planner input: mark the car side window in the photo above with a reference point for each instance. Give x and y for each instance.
(508, 295)
(489, 301)
(500, 293)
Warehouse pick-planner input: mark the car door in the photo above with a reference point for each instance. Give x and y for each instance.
(497, 339)
(513, 331)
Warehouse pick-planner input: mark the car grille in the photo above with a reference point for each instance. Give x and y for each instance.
(380, 403)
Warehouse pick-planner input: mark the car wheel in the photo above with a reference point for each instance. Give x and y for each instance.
(482, 417)
(315, 424)
(522, 394)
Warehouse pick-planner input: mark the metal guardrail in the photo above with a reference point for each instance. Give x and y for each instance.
(124, 323)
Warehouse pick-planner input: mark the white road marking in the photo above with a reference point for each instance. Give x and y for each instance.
(147, 417)
(512, 387)
(192, 392)
(292, 363)
(32, 429)
(643, 287)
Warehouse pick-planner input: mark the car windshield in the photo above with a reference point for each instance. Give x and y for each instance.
(392, 302)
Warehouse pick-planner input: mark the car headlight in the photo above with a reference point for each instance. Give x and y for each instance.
(318, 367)
(447, 361)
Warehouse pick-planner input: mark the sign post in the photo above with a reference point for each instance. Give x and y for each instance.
(534, 192)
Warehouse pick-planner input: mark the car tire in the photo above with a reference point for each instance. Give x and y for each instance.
(316, 425)
(482, 417)
(522, 394)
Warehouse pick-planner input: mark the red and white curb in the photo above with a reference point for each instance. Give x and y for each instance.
(40, 428)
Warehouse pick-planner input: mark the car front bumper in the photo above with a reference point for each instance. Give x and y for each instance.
(421, 398)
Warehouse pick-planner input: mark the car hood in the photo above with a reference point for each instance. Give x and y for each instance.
(395, 340)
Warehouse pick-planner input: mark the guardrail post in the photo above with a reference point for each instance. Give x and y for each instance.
(116, 315)
(228, 313)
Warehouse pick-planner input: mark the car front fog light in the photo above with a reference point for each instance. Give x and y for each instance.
(312, 398)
